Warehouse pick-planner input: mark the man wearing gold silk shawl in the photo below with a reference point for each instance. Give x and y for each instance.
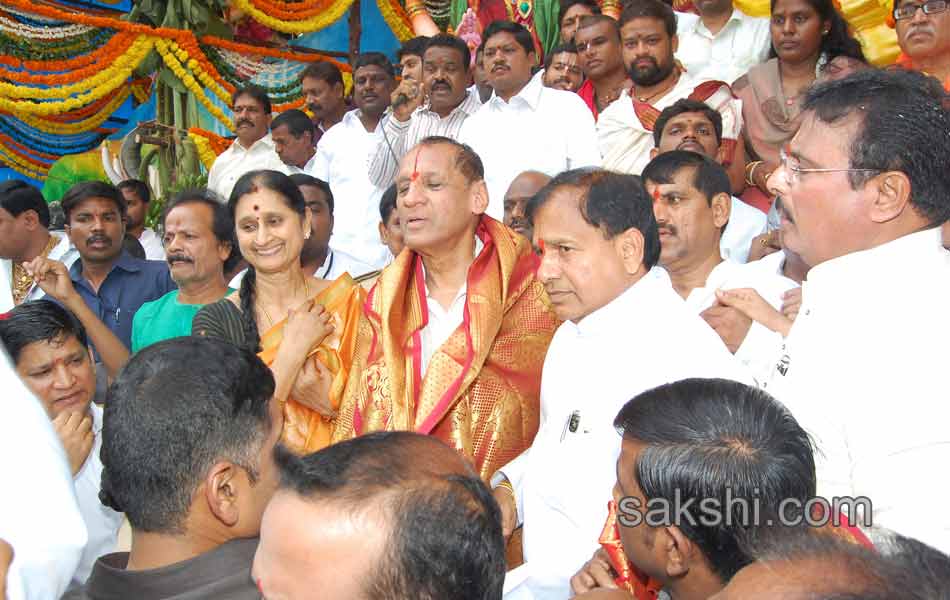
(453, 336)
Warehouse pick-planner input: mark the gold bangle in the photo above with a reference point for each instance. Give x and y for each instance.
(506, 485)
(750, 171)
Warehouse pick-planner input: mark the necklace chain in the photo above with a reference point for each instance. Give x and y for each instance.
(270, 321)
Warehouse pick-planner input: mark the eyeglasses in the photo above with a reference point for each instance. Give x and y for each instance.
(793, 170)
(909, 10)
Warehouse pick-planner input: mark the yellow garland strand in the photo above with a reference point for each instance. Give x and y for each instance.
(314, 23)
(21, 166)
(202, 75)
(134, 55)
(205, 153)
(186, 78)
(392, 18)
(79, 126)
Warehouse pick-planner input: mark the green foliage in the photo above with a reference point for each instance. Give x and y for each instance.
(186, 182)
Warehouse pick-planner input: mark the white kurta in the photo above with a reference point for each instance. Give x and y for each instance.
(742, 43)
(342, 160)
(539, 129)
(745, 222)
(63, 251)
(39, 516)
(644, 338)
(865, 372)
(761, 346)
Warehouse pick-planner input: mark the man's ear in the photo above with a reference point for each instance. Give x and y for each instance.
(630, 245)
(721, 206)
(224, 250)
(654, 152)
(676, 43)
(383, 232)
(678, 550)
(221, 492)
(31, 220)
(892, 197)
(478, 197)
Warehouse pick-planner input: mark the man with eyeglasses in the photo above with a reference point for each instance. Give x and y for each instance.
(865, 189)
(923, 31)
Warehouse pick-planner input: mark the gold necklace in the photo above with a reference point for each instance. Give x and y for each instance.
(658, 92)
(22, 281)
(306, 288)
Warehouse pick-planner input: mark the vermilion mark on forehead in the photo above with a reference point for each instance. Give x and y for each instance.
(256, 208)
(415, 167)
(656, 194)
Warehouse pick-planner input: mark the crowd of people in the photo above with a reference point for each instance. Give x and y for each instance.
(625, 320)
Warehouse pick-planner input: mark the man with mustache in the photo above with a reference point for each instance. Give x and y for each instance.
(692, 125)
(322, 86)
(722, 42)
(625, 128)
(198, 242)
(625, 331)
(436, 105)
(923, 32)
(561, 71)
(253, 148)
(345, 151)
(692, 205)
(519, 193)
(600, 57)
(112, 284)
(525, 126)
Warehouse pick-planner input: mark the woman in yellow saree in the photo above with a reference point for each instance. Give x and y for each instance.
(310, 349)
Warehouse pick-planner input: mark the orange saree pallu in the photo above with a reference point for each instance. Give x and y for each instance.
(480, 392)
(306, 430)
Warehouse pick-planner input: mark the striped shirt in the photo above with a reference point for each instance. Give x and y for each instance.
(400, 136)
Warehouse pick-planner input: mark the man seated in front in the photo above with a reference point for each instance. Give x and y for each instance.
(693, 125)
(454, 332)
(692, 204)
(923, 32)
(717, 449)
(198, 239)
(625, 331)
(393, 515)
(188, 446)
(50, 351)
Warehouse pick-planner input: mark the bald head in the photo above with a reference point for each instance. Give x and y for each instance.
(521, 190)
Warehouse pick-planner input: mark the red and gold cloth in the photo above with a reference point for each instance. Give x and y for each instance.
(905, 62)
(480, 392)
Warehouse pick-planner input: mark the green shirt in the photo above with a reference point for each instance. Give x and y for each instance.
(163, 319)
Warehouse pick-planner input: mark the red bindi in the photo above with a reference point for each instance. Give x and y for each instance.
(256, 207)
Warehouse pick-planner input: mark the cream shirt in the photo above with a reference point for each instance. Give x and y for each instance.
(238, 160)
(742, 43)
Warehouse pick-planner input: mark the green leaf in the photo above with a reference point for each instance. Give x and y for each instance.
(171, 80)
(148, 66)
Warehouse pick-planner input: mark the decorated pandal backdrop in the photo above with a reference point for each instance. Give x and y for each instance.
(141, 88)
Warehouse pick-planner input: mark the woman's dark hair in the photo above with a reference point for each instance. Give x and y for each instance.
(249, 183)
(838, 41)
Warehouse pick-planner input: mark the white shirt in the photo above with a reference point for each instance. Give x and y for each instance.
(238, 160)
(63, 251)
(152, 244)
(102, 523)
(401, 136)
(343, 156)
(761, 346)
(540, 129)
(865, 373)
(745, 222)
(39, 516)
(563, 482)
(742, 43)
(308, 169)
(335, 264)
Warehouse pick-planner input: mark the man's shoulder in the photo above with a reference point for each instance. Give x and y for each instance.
(154, 307)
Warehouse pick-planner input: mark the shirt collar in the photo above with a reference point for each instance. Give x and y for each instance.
(468, 105)
(633, 301)
(737, 16)
(479, 245)
(530, 94)
(264, 141)
(126, 262)
(352, 119)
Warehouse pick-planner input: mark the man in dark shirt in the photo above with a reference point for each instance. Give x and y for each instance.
(187, 450)
(112, 283)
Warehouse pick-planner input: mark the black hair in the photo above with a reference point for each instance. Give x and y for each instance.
(903, 126)
(521, 35)
(413, 47)
(467, 160)
(387, 203)
(650, 9)
(568, 48)
(566, 5)
(17, 197)
(613, 202)
(374, 58)
(85, 190)
(177, 408)
(445, 540)
(709, 177)
(38, 321)
(222, 223)
(686, 105)
(256, 93)
(324, 71)
(444, 40)
(719, 439)
(139, 187)
(838, 41)
(296, 121)
(302, 179)
(249, 183)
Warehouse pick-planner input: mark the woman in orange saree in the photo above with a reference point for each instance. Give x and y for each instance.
(310, 350)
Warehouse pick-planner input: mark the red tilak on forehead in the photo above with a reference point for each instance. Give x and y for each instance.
(256, 208)
(656, 194)
(415, 167)
(541, 246)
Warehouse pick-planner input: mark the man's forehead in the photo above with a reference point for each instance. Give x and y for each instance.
(643, 26)
(247, 101)
(97, 204)
(502, 38)
(564, 57)
(367, 70)
(587, 32)
(51, 349)
(190, 211)
(687, 117)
